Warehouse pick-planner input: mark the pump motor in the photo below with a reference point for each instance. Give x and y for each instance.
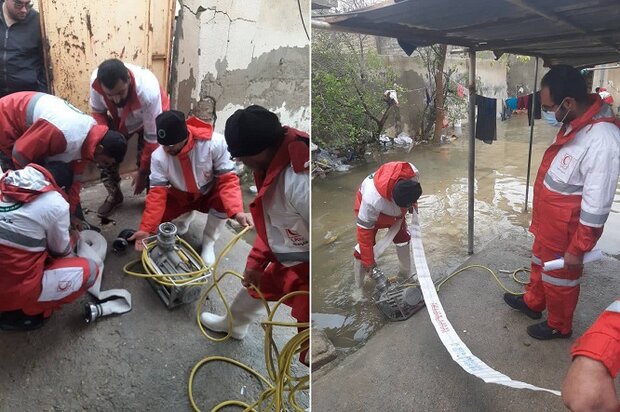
(169, 256)
(396, 301)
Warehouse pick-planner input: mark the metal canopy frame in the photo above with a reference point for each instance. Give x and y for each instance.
(577, 32)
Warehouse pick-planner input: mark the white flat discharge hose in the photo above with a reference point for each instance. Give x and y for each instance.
(458, 350)
(93, 245)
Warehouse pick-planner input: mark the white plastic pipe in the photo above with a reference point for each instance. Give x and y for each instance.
(556, 264)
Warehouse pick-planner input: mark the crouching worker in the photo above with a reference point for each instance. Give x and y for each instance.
(383, 200)
(39, 128)
(191, 170)
(38, 275)
(279, 261)
(589, 383)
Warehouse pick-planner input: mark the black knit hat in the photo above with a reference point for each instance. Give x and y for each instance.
(251, 130)
(406, 193)
(171, 127)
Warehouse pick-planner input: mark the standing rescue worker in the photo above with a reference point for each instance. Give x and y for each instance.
(589, 383)
(382, 201)
(127, 98)
(38, 128)
(573, 194)
(38, 275)
(192, 170)
(279, 260)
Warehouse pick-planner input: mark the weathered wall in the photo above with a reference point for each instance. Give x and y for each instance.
(412, 76)
(242, 53)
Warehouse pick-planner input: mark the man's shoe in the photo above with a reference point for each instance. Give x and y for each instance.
(542, 331)
(110, 204)
(517, 302)
(19, 321)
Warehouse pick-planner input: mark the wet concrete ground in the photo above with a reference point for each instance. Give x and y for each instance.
(137, 361)
(404, 366)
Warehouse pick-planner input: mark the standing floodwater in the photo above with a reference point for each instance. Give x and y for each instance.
(348, 316)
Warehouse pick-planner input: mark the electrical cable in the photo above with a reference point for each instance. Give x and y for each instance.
(280, 381)
(443, 281)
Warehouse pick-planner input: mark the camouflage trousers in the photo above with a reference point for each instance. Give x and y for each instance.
(110, 175)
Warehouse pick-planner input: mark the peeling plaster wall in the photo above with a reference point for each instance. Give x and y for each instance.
(411, 73)
(242, 53)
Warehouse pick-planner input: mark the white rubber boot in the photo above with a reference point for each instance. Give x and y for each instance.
(183, 222)
(244, 310)
(212, 232)
(359, 274)
(403, 252)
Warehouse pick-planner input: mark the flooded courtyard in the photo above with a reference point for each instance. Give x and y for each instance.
(346, 314)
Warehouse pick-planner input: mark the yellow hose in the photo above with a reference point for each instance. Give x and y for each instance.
(281, 382)
(441, 282)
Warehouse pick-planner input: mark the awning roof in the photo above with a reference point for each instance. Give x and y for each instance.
(577, 32)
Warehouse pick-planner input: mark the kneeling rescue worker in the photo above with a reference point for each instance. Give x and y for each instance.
(38, 274)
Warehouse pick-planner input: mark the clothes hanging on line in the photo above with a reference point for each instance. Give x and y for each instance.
(511, 102)
(522, 102)
(537, 109)
(486, 127)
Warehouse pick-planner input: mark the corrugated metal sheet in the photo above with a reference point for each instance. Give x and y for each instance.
(577, 32)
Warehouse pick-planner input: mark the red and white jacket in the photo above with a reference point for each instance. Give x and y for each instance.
(282, 206)
(146, 100)
(374, 206)
(34, 224)
(577, 181)
(37, 127)
(203, 165)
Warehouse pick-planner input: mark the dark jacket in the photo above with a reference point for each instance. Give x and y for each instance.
(21, 55)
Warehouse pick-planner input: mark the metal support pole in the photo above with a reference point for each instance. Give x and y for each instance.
(529, 156)
(472, 151)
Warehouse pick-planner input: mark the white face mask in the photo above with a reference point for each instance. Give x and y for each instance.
(550, 115)
(550, 118)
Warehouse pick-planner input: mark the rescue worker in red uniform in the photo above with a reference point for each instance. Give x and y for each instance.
(127, 98)
(382, 201)
(279, 260)
(38, 127)
(573, 195)
(589, 383)
(191, 170)
(38, 274)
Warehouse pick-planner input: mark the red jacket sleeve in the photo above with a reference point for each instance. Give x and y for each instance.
(227, 186)
(145, 157)
(259, 256)
(366, 241)
(584, 239)
(39, 142)
(154, 209)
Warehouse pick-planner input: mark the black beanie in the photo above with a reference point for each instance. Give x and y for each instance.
(406, 192)
(252, 130)
(171, 127)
